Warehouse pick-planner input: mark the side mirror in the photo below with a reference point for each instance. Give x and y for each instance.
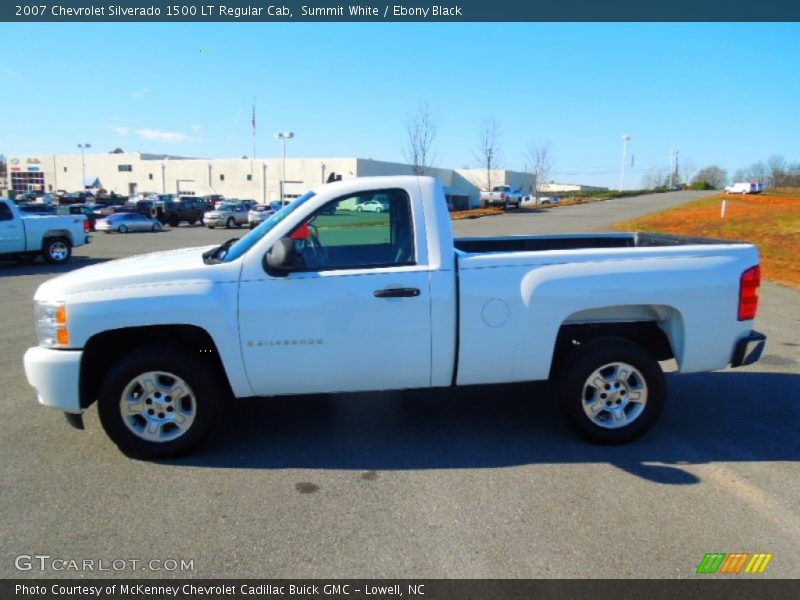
(281, 258)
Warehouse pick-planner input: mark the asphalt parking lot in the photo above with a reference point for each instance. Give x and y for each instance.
(483, 482)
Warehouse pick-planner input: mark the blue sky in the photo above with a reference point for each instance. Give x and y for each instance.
(719, 93)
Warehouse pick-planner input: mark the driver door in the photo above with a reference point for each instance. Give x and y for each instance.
(355, 313)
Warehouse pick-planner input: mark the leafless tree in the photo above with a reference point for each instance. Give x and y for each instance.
(688, 169)
(714, 175)
(777, 169)
(539, 162)
(654, 178)
(421, 129)
(488, 149)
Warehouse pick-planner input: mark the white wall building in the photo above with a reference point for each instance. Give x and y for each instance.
(130, 173)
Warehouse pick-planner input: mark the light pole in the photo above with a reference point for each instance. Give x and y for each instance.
(83, 164)
(283, 136)
(625, 139)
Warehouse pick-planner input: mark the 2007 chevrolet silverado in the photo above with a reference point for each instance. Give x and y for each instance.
(323, 297)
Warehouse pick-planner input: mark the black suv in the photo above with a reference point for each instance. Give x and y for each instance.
(174, 213)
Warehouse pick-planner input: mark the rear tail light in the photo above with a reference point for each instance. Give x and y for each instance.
(87, 227)
(748, 293)
(503, 197)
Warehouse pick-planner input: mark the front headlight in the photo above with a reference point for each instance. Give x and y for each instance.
(51, 324)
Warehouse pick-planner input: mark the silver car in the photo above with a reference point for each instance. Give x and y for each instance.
(227, 215)
(125, 222)
(258, 214)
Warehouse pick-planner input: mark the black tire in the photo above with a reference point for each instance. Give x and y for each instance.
(56, 250)
(230, 223)
(207, 390)
(210, 226)
(572, 387)
(174, 221)
(122, 229)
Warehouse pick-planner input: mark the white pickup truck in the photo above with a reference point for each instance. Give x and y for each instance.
(322, 297)
(502, 195)
(23, 238)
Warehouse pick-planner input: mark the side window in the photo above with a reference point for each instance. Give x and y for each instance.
(371, 229)
(5, 212)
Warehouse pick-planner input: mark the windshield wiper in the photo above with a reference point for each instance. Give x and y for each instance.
(215, 255)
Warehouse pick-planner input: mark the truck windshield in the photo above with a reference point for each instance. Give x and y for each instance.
(243, 245)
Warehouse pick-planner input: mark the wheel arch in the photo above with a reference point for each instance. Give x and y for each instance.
(104, 349)
(657, 328)
(58, 233)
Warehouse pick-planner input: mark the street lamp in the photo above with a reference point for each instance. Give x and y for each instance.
(625, 139)
(283, 136)
(83, 164)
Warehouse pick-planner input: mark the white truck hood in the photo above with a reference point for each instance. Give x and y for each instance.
(156, 268)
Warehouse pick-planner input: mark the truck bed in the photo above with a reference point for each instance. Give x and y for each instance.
(541, 243)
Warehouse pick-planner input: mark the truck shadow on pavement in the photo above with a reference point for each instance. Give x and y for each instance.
(13, 269)
(710, 417)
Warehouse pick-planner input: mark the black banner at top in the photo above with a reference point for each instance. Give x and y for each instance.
(399, 10)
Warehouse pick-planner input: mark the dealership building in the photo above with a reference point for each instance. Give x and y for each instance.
(264, 180)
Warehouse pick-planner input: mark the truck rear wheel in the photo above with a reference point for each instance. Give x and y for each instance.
(611, 391)
(56, 250)
(159, 401)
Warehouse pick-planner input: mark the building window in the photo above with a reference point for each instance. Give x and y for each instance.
(124, 168)
(65, 169)
(222, 177)
(249, 177)
(150, 176)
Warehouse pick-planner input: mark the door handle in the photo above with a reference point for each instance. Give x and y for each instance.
(396, 293)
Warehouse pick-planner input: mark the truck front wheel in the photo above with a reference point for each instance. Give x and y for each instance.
(611, 391)
(56, 250)
(159, 401)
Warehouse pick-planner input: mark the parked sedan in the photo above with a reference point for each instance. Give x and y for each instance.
(373, 205)
(227, 215)
(125, 222)
(258, 214)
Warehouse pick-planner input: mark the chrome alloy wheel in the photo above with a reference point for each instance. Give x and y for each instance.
(58, 250)
(158, 406)
(614, 395)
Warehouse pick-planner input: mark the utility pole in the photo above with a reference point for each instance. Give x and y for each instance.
(283, 136)
(83, 148)
(625, 139)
